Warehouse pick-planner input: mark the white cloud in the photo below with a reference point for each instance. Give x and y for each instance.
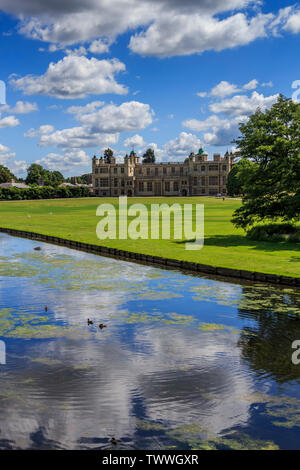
(5, 154)
(284, 20)
(9, 121)
(166, 28)
(21, 107)
(90, 107)
(135, 141)
(293, 23)
(243, 105)
(66, 161)
(221, 131)
(45, 129)
(267, 84)
(202, 94)
(74, 77)
(17, 167)
(100, 127)
(184, 34)
(78, 137)
(224, 89)
(79, 51)
(182, 145)
(252, 85)
(99, 46)
(129, 116)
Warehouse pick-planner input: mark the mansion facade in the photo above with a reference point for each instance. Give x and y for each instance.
(196, 176)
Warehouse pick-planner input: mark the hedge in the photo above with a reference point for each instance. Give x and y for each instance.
(45, 192)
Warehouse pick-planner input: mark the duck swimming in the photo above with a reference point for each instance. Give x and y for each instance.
(90, 322)
(101, 326)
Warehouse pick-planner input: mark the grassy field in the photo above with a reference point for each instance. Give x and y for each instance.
(225, 246)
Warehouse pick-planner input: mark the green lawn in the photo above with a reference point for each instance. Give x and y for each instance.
(225, 245)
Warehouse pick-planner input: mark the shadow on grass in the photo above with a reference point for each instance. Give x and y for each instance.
(240, 240)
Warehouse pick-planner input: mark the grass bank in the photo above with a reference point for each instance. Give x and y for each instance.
(225, 246)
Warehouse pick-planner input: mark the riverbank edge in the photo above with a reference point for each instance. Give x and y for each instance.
(159, 261)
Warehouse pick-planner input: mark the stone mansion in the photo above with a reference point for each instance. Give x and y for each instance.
(196, 176)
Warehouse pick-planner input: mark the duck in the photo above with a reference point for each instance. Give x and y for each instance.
(114, 441)
(101, 326)
(37, 248)
(90, 322)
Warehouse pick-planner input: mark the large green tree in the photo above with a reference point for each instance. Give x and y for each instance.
(272, 140)
(36, 172)
(6, 175)
(238, 177)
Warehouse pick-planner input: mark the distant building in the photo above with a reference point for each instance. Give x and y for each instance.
(13, 184)
(196, 176)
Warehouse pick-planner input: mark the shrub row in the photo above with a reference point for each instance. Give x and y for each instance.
(275, 232)
(45, 192)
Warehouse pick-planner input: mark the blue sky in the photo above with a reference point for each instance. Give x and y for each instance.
(87, 74)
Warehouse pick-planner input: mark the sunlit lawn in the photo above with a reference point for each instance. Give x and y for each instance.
(225, 245)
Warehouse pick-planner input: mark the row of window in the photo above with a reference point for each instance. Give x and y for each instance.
(149, 170)
(212, 181)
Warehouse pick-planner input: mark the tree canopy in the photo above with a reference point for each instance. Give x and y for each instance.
(6, 175)
(238, 176)
(272, 140)
(108, 154)
(149, 156)
(36, 173)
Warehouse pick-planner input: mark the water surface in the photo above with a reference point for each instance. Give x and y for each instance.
(184, 362)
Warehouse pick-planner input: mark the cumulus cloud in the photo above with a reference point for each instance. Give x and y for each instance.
(74, 77)
(129, 116)
(224, 88)
(5, 154)
(178, 148)
(182, 145)
(293, 23)
(187, 34)
(90, 107)
(7, 158)
(251, 85)
(135, 141)
(18, 167)
(166, 27)
(99, 46)
(78, 137)
(100, 127)
(243, 105)
(221, 131)
(45, 129)
(66, 161)
(9, 121)
(21, 107)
